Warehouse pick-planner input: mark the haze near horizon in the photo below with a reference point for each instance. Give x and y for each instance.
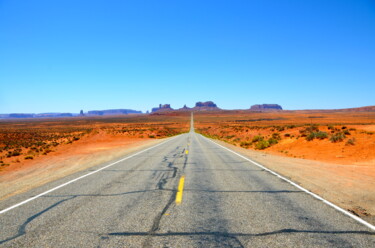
(71, 55)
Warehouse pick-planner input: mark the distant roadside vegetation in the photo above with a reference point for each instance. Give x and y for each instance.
(331, 136)
(28, 139)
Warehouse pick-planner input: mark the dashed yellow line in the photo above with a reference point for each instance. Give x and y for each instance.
(187, 152)
(180, 190)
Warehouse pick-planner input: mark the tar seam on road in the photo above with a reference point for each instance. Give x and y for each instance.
(180, 190)
(363, 222)
(78, 178)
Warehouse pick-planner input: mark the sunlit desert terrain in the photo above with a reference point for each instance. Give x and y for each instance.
(330, 153)
(36, 151)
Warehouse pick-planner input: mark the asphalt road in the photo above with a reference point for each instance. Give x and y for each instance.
(226, 202)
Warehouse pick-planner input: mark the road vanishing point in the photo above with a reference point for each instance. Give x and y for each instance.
(185, 192)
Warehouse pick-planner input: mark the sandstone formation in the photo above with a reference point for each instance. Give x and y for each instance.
(205, 106)
(162, 108)
(266, 107)
(114, 112)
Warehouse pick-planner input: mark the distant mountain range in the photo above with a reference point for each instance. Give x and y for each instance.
(211, 106)
(166, 108)
(113, 112)
(62, 115)
(199, 106)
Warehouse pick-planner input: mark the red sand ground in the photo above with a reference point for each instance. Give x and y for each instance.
(67, 160)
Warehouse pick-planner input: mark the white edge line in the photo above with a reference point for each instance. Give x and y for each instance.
(78, 178)
(372, 227)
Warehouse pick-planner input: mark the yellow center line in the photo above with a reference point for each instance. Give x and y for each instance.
(187, 151)
(180, 190)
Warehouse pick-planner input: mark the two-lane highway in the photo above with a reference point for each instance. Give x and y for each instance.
(223, 200)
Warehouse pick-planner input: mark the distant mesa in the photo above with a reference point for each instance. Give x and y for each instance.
(205, 106)
(162, 108)
(266, 107)
(41, 115)
(199, 106)
(113, 112)
(184, 108)
(53, 115)
(21, 115)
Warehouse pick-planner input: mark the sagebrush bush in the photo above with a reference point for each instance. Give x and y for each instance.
(337, 137)
(346, 132)
(350, 142)
(262, 144)
(246, 144)
(276, 136)
(321, 135)
(257, 138)
(272, 141)
(318, 135)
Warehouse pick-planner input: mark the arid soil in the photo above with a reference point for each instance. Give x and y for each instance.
(329, 153)
(65, 146)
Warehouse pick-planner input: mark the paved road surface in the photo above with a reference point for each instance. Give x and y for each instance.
(226, 202)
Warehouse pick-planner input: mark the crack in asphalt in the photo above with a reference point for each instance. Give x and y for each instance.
(160, 185)
(22, 228)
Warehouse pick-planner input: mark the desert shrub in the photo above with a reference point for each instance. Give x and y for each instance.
(352, 129)
(272, 141)
(47, 151)
(151, 136)
(230, 136)
(257, 138)
(287, 135)
(318, 135)
(350, 142)
(262, 144)
(14, 153)
(290, 126)
(29, 157)
(330, 127)
(279, 128)
(276, 136)
(312, 128)
(344, 127)
(303, 132)
(321, 135)
(310, 136)
(337, 137)
(346, 132)
(245, 144)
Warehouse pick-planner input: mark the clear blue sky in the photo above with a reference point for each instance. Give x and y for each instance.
(67, 55)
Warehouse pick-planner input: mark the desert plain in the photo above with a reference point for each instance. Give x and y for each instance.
(331, 153)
